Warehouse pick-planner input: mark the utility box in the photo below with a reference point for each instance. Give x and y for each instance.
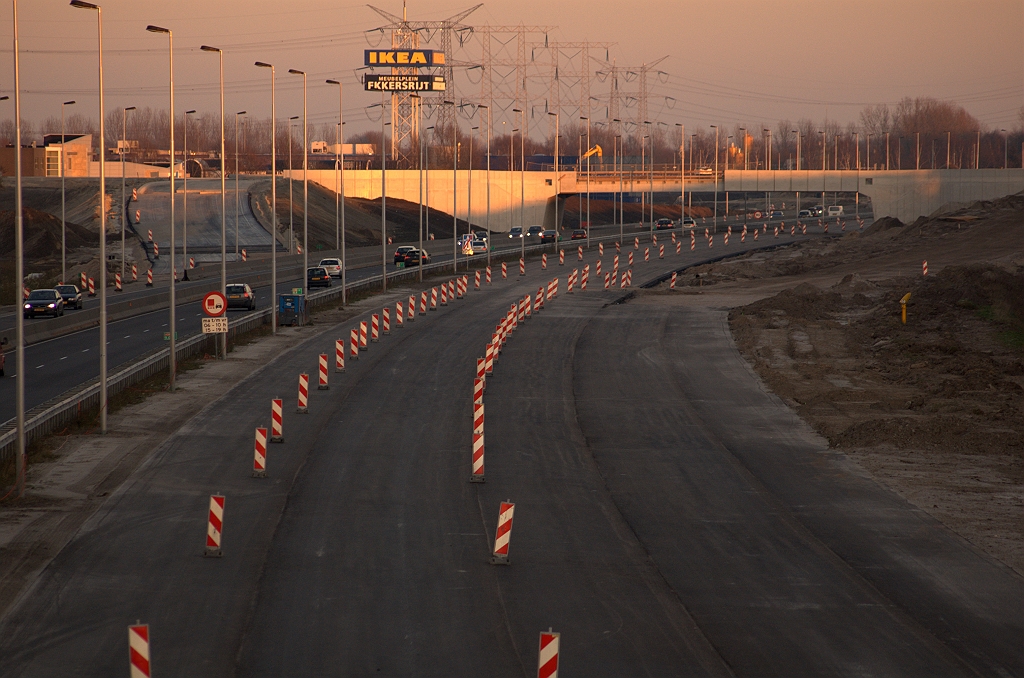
(291, 310)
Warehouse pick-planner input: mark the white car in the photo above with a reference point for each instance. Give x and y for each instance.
(333, 267)
(688, 222)
(479, 247)
(835, 210)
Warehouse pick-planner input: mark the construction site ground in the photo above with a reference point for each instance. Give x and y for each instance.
(933, 408)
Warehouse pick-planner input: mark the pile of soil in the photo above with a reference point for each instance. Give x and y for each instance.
(42, 233)
(933, 407)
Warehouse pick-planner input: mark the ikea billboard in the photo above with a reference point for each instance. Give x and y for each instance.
(408, 58)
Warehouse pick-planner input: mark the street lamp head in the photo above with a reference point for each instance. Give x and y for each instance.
(241, 113)
(129, 108)
(150, 28)
(83, 5)
(4, 98)
(715, 126)
(190, 112)
(294, 117)
(67, 103)
(583, 117)
(261, 64)
(478, 106)
(333, 82)
(296, 72)
(616, 120)
(448, 103)
(207, 48)
(554, 113)
(517, 110)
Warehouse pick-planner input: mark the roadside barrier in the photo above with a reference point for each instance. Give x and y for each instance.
(481, 371)
(540, 299)
(647, 254)
(489, 358)
(478, 386)
(478, 417)
(614, 277)
(353, 345)
(386, 320)
(544, 261)
(522, 266)
(476, 281)
(322, 385)
(156, 252)
(529, 306)
(570, 282)
(339, 355)
(547, 658)
(679, 247)
(276, 421)
(726, 238)
(561, 257)
(661, 251)
(631, 259)
(597, 268)
(433, 298)
(488, 275)
(636, 243)
(135, 273)
(756, 232)
(711, 241)
(92, 287)
(579, 253)
(451, 290)
(149, 277)
(586, 274)
(504, 271)
(693, 241)
(423, 302)
(618, 247)
(362, 335)
(477, 475)
(503, 534)
(214, 526)
(191, 262)
(259, 459)
(607, 280)
(672, 285)
(600, 249)
(138, 651)
(411, 308)
(245, 256)
(375, 328)
(444, 294)
(924, 267)
(303, 395)
(117, 282)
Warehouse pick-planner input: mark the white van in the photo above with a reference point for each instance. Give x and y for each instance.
(835, 210)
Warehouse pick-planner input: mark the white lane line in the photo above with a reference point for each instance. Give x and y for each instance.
(64, 358)
(127, 336)
(38, 366)
(85, 351)
(144, 331)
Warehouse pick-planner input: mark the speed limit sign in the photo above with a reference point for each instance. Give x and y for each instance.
(214, 304)
(757, 215)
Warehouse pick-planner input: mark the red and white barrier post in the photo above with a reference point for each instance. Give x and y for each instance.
(339, 355)
(433, 298)
(547, 658)
(489, 358)
(276, 421)
(92, 287)
(423, 302)
(477, 475)
(476, 281)
(647, 254)
(636, 243)
(375, 328)
(444, 295)
(451, 290)
(138, 651)
(117, 282)
(561, 257)
(399, 314)
(411, 309)
(693, 241)
(544, 261)
(522, 266)
(156, 251)
(661, 251)
(487, 274)
(600, 249)
(481, 371)
(503, 535)
(353, 345)
(924, 267)
(259, 460)
(597, 268)
(579, 253)
(215, 526)
(586, 274)
(630, 259)
(478, 387)
(245, 257)
(135, 273)
(322, 385)
(303, 394)
(679, 246)
(362, 336)
(672, 285)
(149, 277)
(504, 270)
(386, 320)
(607, 280)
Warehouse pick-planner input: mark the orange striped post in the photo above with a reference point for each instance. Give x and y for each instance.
(547, 659)
(322, 385)
(353, 345)
(503, 535)
(215, 526)
(259, 460)
(303, 395)
(138, 651)
(276, 421)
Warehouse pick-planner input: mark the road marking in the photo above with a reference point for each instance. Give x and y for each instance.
(144, 331)
(85, 351)
(38, 366)
(64, 358)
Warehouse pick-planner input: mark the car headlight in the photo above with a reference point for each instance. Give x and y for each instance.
(51, 306)
(28, 307)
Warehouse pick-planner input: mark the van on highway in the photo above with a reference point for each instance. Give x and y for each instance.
(835, 210)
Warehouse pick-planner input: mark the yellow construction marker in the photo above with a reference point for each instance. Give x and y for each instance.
(903, 305)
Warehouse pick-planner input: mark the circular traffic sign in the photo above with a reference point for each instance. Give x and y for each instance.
(214, 304)
(757, 215)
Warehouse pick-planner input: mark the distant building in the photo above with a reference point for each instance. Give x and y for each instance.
(76, 152)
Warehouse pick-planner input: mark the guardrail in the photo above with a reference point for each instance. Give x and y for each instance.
(58, 412)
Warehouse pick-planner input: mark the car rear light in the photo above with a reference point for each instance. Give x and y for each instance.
(246, 295)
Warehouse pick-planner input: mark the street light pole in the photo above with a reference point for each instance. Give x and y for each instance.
(522, 174)
(124, 202)
(305, 177)
(19, 276)
(340, 195)
(291, 199)
(583, 117)
(682, 170)
(236, 182)
(487, 219)
(63, 228)
(556, 182)
(715, 224)
(223, 196)
(455, 186)
(273, 196)
(184, 197)
(172, 326)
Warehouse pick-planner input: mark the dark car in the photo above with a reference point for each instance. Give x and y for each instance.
(416, 256)
(776, 214)
(71, 295)
(548, 236)
(44, 302)
(516, 232)
(662, 224)
(534, 231)
(318, 276)
(3, 342)
(578, 234)
(240, 295)
(401, 252)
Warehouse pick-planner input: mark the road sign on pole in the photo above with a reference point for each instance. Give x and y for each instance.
(214, 304)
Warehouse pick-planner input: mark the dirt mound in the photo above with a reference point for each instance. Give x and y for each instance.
(42, 234)
(882, 225)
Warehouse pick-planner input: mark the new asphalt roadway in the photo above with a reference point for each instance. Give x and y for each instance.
(671, 518)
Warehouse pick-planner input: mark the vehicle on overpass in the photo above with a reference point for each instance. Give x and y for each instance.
(240, 295)
(333, 266)
(71, 294)
(317, 276)
(44, 302)
(664, 224)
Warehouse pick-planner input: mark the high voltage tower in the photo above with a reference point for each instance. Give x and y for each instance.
(569, 74)
(406, 34)
(629, 88)
(504, 83)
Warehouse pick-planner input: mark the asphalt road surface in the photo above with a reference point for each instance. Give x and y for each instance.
(671, 519)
